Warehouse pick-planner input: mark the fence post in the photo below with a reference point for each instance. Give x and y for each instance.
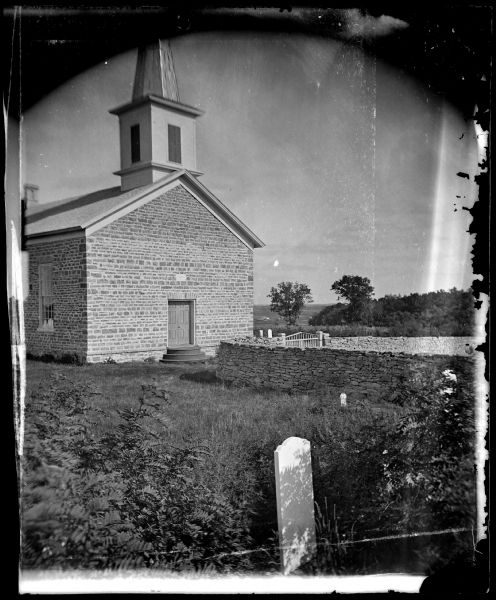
(321, 338)
(294, 495)
(283, 337)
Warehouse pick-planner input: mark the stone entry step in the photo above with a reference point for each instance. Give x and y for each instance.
(186, 353)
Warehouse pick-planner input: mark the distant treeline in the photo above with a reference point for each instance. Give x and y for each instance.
(447, 313)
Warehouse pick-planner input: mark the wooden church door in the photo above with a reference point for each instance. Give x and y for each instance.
(180, 323)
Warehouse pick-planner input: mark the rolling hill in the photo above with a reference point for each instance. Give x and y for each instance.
(263, 318)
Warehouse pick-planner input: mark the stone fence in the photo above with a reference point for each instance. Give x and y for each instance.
(459, 345)
(407, 345)
(359, 374)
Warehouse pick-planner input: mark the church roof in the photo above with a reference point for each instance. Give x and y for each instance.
(92, 211)
(70, 213)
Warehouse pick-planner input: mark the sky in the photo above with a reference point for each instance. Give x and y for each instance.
(338, 162)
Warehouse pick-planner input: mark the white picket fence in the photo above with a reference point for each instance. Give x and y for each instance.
(303, 340)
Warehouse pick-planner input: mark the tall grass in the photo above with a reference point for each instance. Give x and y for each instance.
(216, 444)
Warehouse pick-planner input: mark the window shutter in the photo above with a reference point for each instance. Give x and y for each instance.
(46, 286)
(135, 143)
(46, 296)
(174, 143)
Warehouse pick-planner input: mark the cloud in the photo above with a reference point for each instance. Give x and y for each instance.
(366, 26)
(352, 22)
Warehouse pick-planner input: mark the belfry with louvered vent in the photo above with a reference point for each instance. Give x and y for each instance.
(157, 132)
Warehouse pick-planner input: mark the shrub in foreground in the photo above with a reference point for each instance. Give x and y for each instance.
(123, 500)
(388, 473)
(429, 463)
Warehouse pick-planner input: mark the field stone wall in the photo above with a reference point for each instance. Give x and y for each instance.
(374, 375)
(408, 345)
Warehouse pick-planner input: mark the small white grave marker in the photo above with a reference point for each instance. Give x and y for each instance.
(269, 333)
(260, 332)
(342, 397)
(294, 493)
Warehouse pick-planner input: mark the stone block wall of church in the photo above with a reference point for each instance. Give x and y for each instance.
(69, 334)
(137, 263)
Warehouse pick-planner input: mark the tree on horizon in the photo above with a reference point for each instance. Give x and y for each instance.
(288, 300)
(357, 291)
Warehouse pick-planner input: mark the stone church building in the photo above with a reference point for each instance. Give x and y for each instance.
(153, 265)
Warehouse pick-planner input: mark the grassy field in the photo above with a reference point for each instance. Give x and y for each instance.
(264, 318)
(163, 466)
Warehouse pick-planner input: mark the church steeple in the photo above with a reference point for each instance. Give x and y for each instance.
(157, 131)
(155, 72)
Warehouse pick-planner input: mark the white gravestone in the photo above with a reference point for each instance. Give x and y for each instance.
(342, 397)
(269, 333)
(295, 512)
(261, 332)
